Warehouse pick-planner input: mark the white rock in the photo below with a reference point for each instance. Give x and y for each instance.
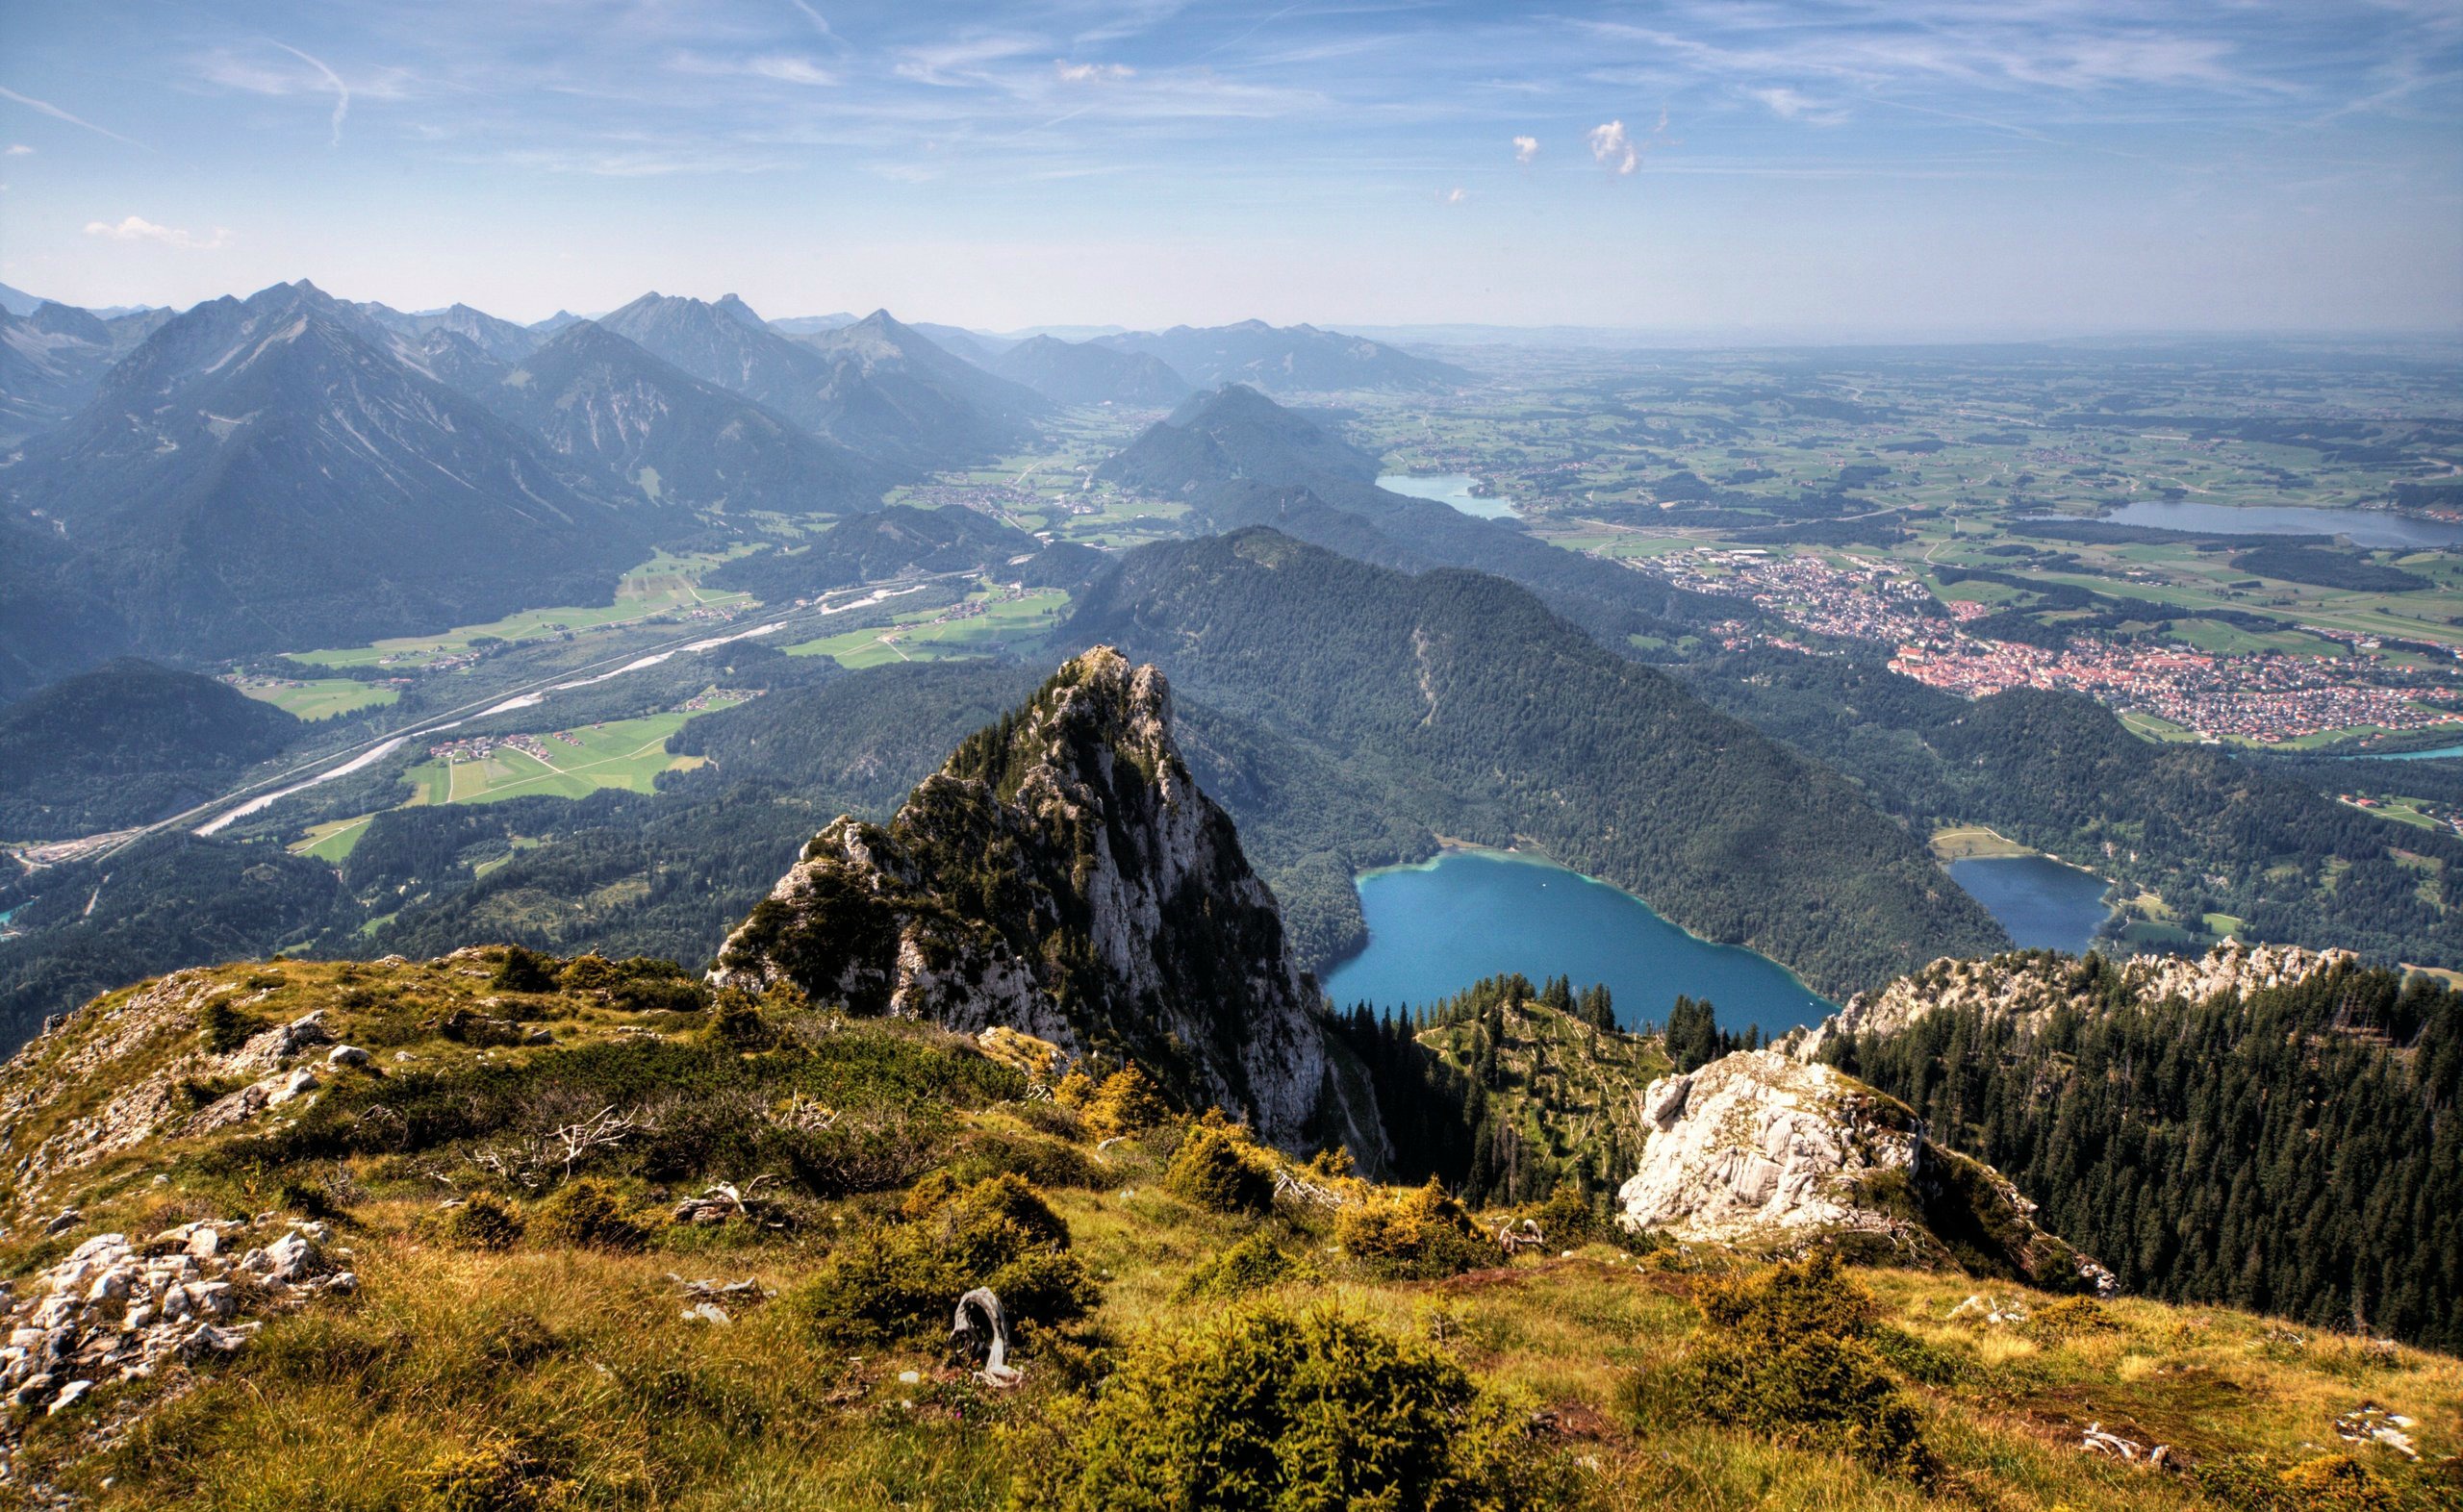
(298, 1084)
(70, 1396)
(346, 1055)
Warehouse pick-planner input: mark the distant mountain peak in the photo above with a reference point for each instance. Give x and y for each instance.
(732, 306)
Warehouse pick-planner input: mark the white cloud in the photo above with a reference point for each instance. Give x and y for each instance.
(1454, 195)
(1092, 73)
(135, 228)
(18, 149)
(1615, 149)
(1525, 148)
(59, 114)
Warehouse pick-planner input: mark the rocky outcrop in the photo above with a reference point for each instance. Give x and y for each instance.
(2030, 985)
(1757, 1150)
(1062, 875)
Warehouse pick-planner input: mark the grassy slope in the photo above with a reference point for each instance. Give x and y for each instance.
(582, 1355)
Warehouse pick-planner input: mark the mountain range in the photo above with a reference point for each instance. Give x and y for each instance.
(259, 475)
(1286, 359)
(594, 396)
(875, 386)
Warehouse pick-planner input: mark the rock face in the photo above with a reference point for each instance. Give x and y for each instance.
(1062, 875)
(2029, 986)
(1756, 1149)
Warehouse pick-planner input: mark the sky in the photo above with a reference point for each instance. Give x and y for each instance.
(1851, 168)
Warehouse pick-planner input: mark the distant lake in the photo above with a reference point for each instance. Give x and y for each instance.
(1448, 488)
(1435, 929)
(2439, 754)
(2043, 904)
(2367, 527)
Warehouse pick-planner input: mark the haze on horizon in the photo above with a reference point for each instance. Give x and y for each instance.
(1852, 169)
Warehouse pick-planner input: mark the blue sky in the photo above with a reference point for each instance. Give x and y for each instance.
(1858, 167)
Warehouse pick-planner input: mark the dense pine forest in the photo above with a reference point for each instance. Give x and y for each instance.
(2299, 1153)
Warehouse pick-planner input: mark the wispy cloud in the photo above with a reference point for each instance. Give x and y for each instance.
(1525, 148)
(59, 114)
(1454, 195)
(254, 73)
(137, 228)
(334, 81)
(1091, 73)
(1790, 105)
(18, 149)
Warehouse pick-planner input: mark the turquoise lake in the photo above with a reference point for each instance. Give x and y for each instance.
(2440, 753)
(1451, 488)
(1435, 929)
(2043, 904)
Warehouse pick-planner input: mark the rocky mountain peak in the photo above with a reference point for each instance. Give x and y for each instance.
(1062, 874)
(1757, 1149)
(2028, 986)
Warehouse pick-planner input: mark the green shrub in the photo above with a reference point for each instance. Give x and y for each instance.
(1044, 1162)
(222, 1029)
(2070, 1318)
(903, 1282)
(1219, 1170)
(1786, 1352)
(481, 1222)
(492, 1476)
(1126, 1103)
(586, 1214)
(2325, 1483)
(525, 971)
(1271, 1408)
(736, 1023)
(1252, 1265)
(1419, 1234)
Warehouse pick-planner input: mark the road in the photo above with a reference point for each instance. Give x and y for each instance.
(228, 808)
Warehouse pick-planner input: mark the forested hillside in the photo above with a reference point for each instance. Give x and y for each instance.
(2297, 1152)
(1463, 704)
(125, 744)
(2210, 831)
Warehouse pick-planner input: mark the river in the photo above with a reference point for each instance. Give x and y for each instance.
(1435, 929)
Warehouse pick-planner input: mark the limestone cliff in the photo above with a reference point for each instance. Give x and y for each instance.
(2029, 985)
(1062, 874)
(1757, 1150)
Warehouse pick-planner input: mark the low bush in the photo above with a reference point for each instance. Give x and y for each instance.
(905, 1281)
(1126, 1103)
(222, 1029)
(1043, 1162)
(481, 1222)
(1217, 1168)
(1252, 1265)
(1788, 1353)
(497, 1475)
(526, 970)
(2324, 1484)
(1418, 1234)
(1282, 1409)
(2070, 1318)
(586, 1214)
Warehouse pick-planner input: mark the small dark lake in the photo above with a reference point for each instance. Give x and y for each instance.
(2367, 527)
(1435, 929)
(2043, 904)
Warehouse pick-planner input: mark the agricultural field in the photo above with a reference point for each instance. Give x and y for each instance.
(663, 586)
(2280, 517)
(314, 698)
(989, 619)
(567, 764)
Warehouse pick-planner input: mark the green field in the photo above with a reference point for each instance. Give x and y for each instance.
(935, 635)
(623, 753)
(663, 584)
(331, 842)
(316, 698)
